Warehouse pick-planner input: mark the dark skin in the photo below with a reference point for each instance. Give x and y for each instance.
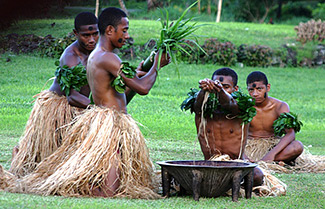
(77, 52)
(103, 68)
(268, 110)
(223, 133)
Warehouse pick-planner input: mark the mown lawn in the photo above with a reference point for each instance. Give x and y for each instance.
(170, 132)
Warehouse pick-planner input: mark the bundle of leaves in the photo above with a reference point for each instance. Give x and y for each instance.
(74, 77)
(195, 56)
(173, 35)
(54, 47)
(129, 72)
(244, 101)
(246, 106)
(255, 55)
(286, 120)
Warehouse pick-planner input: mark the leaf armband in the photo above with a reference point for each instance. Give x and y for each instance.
(188, 103)
(129, 72)
(286, 120)
(74, 77)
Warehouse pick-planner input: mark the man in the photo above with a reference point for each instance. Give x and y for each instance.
(262, 144)
(104, 153)
(53, 109)
(224, 132)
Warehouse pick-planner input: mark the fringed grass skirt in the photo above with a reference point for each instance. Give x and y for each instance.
(42, 135)
(256, 149)
(97, 140)
(271, 186)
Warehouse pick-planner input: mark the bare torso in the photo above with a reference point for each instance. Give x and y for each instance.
(262, 124)
(224, 136)
(100, 81)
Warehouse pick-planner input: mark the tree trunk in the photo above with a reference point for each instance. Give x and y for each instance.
(97, 8)
(279, 10)
(219, 11)
(209, 7)
(123, 7)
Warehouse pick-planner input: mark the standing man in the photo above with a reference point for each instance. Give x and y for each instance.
(220, 128)
(104, 153)
(262, 144)
(53, 109)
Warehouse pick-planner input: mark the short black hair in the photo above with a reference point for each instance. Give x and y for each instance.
(227, 72)
(256, 76)
(84, 18)
(110, 16)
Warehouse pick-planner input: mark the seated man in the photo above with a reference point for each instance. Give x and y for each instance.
(262, 143)
(52, 108)
(220, 127)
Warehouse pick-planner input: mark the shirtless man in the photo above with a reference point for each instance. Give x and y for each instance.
(52, 108)
(287, 149)
(104, 67)
(223, 132)
(86, 32)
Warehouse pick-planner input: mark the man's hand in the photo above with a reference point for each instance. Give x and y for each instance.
(165, 59)
(268, 157)
(210, 85)
(140, 73)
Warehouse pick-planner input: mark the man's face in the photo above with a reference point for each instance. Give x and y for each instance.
(227, 83)
(87, 36)
(258, 90)
(121, 33)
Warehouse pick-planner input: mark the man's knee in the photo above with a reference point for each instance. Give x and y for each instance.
(298, 147)
(258, 177)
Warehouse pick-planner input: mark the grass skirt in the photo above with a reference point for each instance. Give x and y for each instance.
(256, 149)
(97, 139)
(43, 134)
(271, 186)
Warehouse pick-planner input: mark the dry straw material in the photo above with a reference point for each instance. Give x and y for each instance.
(42, 135)
(256, 149)
(98, 140)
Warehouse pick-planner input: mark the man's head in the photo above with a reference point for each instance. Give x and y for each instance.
(227, 77)
(114, 23)
(258, 86)
(86, 30)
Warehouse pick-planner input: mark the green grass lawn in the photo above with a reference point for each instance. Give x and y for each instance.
(170, 132)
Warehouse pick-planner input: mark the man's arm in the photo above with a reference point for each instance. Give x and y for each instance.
(285, 141)
(226, 101)
(141, 85)
(75, 98)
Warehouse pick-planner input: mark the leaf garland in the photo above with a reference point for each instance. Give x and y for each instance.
(74, 77)
(245, 104)
(129, 72)
(286, 120)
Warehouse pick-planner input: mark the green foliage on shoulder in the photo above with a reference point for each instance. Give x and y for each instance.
(74, 77)
(244, 101)
(285, 121)
(129, 72)
(246, 106)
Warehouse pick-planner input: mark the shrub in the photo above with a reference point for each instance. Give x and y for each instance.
(15, 43)
(255, 55)
(223, 53)
(311, 31)
(54, 47)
